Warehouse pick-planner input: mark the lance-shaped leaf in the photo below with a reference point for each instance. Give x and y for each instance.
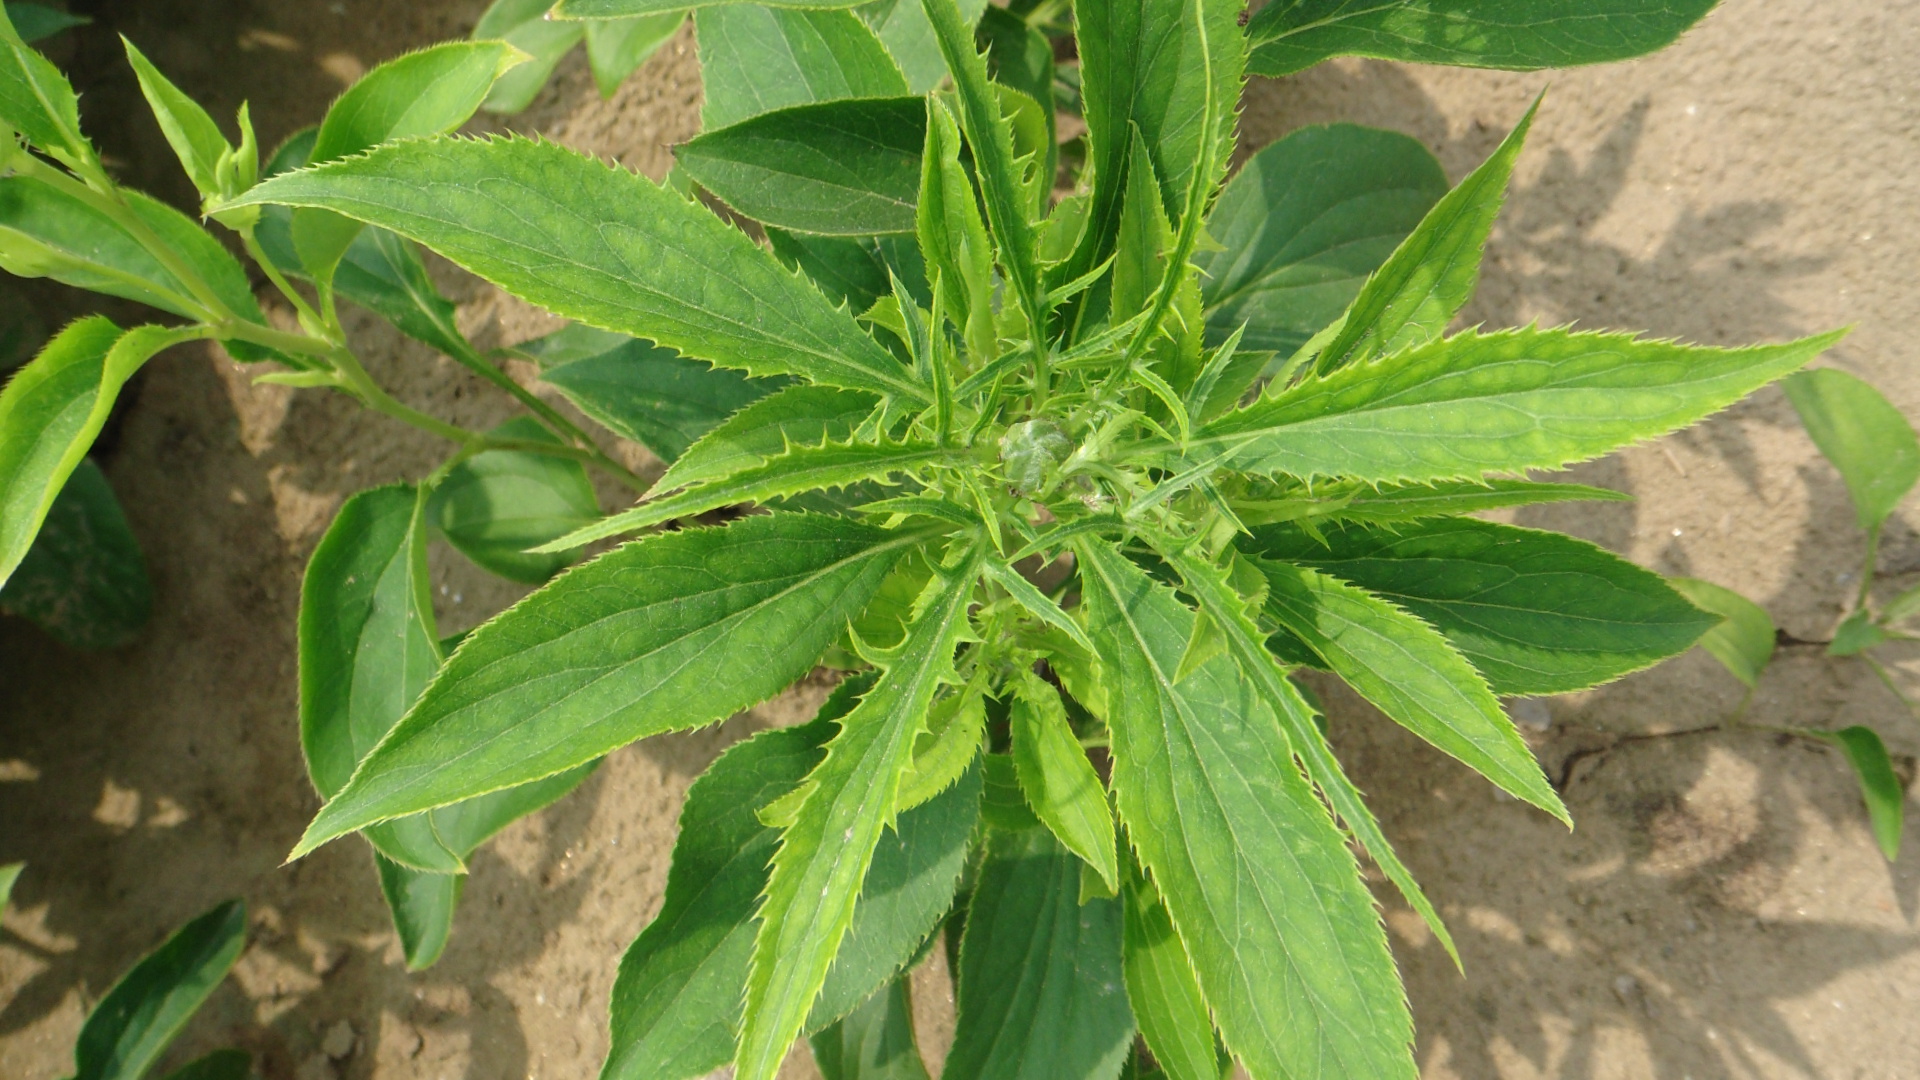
(195, 138)
(1432, 274)
(422, 904)
(1166, 1000)
(37, 101)
(604, 246)
(1039, 992)
(1407, 669)
(228, 1064)
(903, 28)
(676, 1003)
(1516, 35)
(1409, 502)
(1261, 886)
(83, 580)
(765, 429)
(50, 412)
(855, 270)
(1303, 223)
(1535, 612)
(496, 505)
(802, 469)
(825, 853)
(1058, 780)
(524, 25)
(9, 874)
(614, 9)
(1745, 639)
(1864, 436)
(133, 1024)
(1476, 403)
(846, 168)
(1885, 795)
(755, 58)
(640, 391)
(624, 647)
(617, 47)
(952, 235)
(873, 1042)
(36, 21)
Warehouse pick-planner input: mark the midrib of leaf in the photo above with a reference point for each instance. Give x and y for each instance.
(853, 791)
(1331, 20)
(1283, 262)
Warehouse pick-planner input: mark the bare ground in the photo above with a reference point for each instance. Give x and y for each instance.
(1720, 911)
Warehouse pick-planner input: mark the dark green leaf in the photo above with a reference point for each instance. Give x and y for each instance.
(847, 168)
(228, 1064)
(1021, 57)
(952, 236)
(524, 25)
(1885, 796)
(1744, 641)
(1002, 804)
(1864, 436)
(1518, 35)
(1282, 934)
(37, 21)
(599, 244)
(422, 905)
(1160, 984)
(384, 274)
(624, 647)
(1302, 225)
(494, 506)
(616, 47)
(1039, 992)
(874, 1042)
(767, 428)
(856, 271)
(83, 580)
(195, 138)
(130, 1028)
(1536, 612)
(755, 58)
(37, 101)
(903, 27)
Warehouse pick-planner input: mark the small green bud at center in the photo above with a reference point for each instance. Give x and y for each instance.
(1032, 451)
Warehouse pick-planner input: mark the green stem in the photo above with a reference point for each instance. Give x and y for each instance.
(1867, 569)
(1887, 679)
(552, 417)
(266, 264)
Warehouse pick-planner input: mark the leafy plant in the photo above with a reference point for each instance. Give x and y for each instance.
(1878, 457)
(1075, 454)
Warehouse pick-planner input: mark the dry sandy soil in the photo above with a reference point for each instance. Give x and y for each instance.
(1720, 911)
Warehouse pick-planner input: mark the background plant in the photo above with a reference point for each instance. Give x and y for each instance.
(1078, 454)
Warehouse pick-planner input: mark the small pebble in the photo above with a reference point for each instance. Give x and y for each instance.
(1529, 713)
(339, 1041)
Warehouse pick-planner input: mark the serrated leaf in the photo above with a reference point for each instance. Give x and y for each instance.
(846, 168)
(1516, 35)
(1058, 780)
(1304, 223)
(505, 509)
(952, 235)
(50, 413)
(616, 650)
(1408, 670)
(1744, 641)
(1864, 436)
(1884, 794)
(1432, 274)
(228, 1064)
(195, 138)
(131, 1027)
(855, 271)
(755, 58)
(1535, 612)
(1409, 502)
(1474, 404)
(1038, 992)
(874, 1042)
(1284, 939)
(9, 874)
(1145, 234)
(422, 904)
(1166, 1000)
(524, 25)
(942, 754)
(617, 47)
(83, 580)
(765, 429)
(801, 469)
(825, 853)
(606, 247)
(903, 28)
(37, 101)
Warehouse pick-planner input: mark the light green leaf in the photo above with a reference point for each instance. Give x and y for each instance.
(614, 9)
(1378, 504)
(497, 505)
(9, 874)
(1884, 794)
(1166, 1000)
(130, 1028)
(1284, 939)
(767, 428)
(1535, 612)
(1303, 223)
(942, 754)
(1474, 404)
(601, 245)
(38, 102)
(1139, 259)
(1856, 634)
(755, 58)
(83, 580)
(622, 648)
(640, 391)
(524, 25)
(874, 1042)
(1408, 670)
(422, 905)
(195, 138)
(1744, 641)
(825, 853)
(1864, 436)
(36, 21)
(848, 168)
(952, 236)
(50, 412)
(228, 1064)
(802, 469)
(617, 47)
(1058, 780)
(903, 27)
(1517, 35)
(1038, 990)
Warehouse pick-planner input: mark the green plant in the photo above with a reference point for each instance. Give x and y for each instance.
(1076, 451)
(1878, 457)
(131, 1027)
